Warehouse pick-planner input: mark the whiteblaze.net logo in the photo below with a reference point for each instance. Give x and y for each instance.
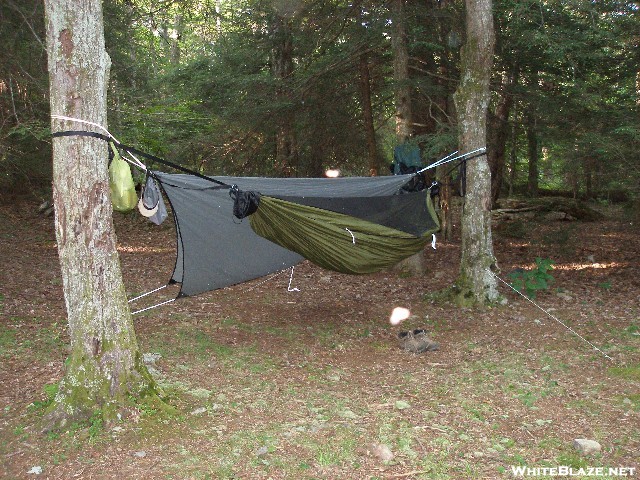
(566, 471)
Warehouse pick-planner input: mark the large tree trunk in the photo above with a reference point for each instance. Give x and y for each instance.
(476, 283)
(105, 366)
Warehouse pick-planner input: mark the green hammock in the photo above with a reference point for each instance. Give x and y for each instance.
(333, 240)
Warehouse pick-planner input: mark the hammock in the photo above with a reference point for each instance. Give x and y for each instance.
(351, 225)
(354, 225)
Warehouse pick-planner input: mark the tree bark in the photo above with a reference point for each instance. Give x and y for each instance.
(498, 134)
(443, 176)
(401, 72)
(105, 366)
(367, 115)
(588, 169)
(513, 156)
(175, 40)
(282, 68)
(533, 152)
(415, 264)
(476, 284)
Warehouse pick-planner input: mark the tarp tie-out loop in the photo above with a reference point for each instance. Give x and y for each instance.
(434, 189)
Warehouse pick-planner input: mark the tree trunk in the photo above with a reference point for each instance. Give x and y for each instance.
(588, 167)
(415, 264)
(367, 115)
(513, 157)
(175, 40)
(533, 151)
(443, 176)
(282, 68)
(401, 72)
(105, 366)
(533, 157)
(498, 134)
(476, 283)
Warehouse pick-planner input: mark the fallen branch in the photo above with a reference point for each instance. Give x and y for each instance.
(532, 208)
(408, 474)
(420, 427)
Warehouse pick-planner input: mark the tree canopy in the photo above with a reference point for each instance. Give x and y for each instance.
(276, 88)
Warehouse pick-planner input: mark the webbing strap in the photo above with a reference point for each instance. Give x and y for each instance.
(135, 151)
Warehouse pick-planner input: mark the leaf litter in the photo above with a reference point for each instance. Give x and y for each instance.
(304, 384)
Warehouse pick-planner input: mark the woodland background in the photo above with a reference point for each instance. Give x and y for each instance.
(291, 88)
(263, 382)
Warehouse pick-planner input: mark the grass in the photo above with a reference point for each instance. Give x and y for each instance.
(24, 337)
(628, 373)
(7, 340)
(316, 415)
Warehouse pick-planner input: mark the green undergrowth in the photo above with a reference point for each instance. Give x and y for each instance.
(7, 340)
(197, 346)
(91, 431)
(529, 282)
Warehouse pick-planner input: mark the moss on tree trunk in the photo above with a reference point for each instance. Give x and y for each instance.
(104, 369)
(475, 283)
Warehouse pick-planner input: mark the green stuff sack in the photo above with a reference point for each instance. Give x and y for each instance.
(123, 190)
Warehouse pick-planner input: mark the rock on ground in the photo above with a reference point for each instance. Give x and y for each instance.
(586, 447)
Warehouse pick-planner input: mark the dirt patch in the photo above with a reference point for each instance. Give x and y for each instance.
(276, 384)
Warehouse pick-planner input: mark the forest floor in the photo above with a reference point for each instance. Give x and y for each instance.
(311, 384)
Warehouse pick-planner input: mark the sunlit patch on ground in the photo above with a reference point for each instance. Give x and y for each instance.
(590, 266)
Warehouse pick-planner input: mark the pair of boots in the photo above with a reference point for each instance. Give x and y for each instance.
(416, 341)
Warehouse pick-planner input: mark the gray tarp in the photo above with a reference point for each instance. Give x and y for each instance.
(215, 250)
